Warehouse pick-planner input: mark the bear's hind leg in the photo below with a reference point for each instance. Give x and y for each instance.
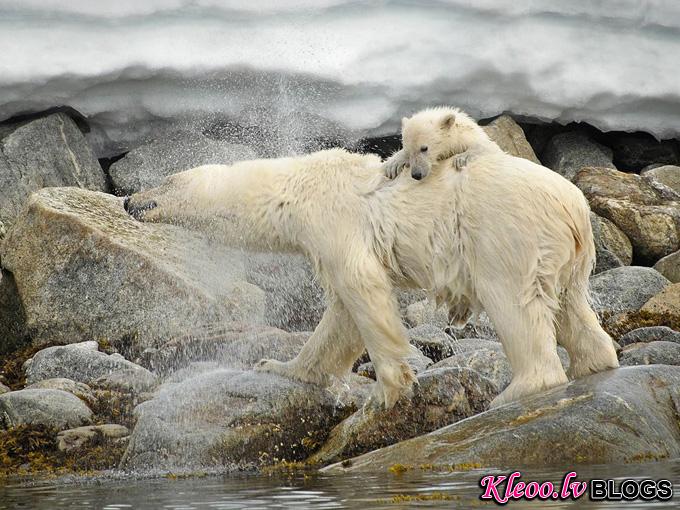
(330, 351)
(527, 332)
(590, 348)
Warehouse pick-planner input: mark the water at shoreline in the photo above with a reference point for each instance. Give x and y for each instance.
(314, 491)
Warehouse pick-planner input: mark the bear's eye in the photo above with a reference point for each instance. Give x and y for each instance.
(423, 148)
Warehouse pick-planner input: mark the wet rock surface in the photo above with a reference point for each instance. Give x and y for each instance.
(648, 215)
(294, 300)
(235, 345)
(51, 408)
(441, 397)
(146, 166)
(85, 364)
(621, 416)
(118, 279)
(230, 418)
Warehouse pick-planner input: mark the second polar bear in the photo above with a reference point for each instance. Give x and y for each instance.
(503, 235)
(543, 231)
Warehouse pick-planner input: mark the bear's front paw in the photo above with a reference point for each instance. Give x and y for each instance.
(461, 160)
(392, 169)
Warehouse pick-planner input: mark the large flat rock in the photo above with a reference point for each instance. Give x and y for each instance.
(84, 269)
(228, 418)
(620, 416)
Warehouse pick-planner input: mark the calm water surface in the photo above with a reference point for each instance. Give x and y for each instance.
(316, 491)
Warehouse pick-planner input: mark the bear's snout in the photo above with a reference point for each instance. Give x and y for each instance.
(136, 209)
(417, 175)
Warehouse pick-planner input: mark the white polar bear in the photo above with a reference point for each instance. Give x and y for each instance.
(503, 235)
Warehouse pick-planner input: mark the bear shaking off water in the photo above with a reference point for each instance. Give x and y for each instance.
(500, 234)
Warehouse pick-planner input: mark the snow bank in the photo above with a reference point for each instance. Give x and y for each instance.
(360, 65)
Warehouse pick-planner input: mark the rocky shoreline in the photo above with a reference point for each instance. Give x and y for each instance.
(129, 346)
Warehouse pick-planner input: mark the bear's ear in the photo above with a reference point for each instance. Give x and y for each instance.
(448, 121)
(404, 120)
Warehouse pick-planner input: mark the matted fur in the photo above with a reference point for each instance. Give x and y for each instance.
(502, 234)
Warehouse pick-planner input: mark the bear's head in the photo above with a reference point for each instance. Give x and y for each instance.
(436, 134)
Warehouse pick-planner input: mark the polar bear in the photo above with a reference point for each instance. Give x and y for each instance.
(502, 235)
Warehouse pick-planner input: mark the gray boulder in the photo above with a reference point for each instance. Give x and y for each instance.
(669, 266)
(432, 341)
(625, 289)
(80, 390)
(12, 315)
(510, 137)
(620, 416)
(49, 151)
(650, 334)
(230, 418)
(479, 328)
(653, 353)
(648, 214)
(51, 408)
(613, 248)
(668, 175)
(441, 397)
(81, 364)
(72, 439)
(567, 153)
(488, 359)
(85, 269)
(146, 166)
(425, 312)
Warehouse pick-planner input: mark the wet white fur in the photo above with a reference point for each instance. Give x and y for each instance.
(504, 235)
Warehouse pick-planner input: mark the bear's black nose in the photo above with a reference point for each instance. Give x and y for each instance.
(417, 175)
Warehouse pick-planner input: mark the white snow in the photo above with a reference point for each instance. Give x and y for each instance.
(361, 64)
